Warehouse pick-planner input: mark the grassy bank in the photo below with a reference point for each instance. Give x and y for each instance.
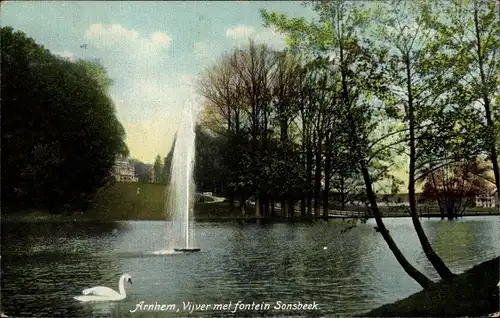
(121, 202)
(472, 293)
(115, 203)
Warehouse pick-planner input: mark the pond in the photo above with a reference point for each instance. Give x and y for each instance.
(45, 264)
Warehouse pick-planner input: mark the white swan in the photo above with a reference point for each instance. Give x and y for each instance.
(101, 293)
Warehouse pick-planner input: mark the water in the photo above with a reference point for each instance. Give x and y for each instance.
(45, 265)
(180, 200)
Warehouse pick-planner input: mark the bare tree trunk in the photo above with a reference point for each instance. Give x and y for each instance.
(231, 202)
(342, 192)
(266, 205)
(284, 208)
(317, 185)
(273, 208)
(309, 178)
(309, 205)
(257, 206)
(291, 207)
(328, 166)
(303, 206)
(242, 203)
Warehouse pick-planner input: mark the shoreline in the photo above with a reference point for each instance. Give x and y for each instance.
(472, 293)
(121, 202)
(45, 216)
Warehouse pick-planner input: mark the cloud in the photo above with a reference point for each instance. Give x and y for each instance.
(112, 35)
(66, 54)
(240, 32)
(147, 96)
(269, 36)
(127, 46)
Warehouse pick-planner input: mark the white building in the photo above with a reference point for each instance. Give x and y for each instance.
(487, 200)
(124, 171)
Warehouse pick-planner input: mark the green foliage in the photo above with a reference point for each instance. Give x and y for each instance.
(159, 167)
(467, 46)
(209, 172)
(455, 186)
(60, 131)
(338, 98)
(143, 171)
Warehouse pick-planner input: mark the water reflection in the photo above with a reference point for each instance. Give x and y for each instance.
(462, 237)
(45, 265)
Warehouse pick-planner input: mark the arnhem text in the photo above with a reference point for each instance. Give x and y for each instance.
(232, 307)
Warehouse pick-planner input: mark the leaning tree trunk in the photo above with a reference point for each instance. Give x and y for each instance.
(435, 260)
(408, 268)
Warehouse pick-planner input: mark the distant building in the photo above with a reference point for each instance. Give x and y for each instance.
(124, 171)
(487, 200)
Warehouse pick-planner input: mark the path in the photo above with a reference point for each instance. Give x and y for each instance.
(214, 199)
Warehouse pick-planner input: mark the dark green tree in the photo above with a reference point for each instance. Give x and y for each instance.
(60, 134)
(158, 169)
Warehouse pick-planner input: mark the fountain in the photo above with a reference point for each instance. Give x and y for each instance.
(180, 202)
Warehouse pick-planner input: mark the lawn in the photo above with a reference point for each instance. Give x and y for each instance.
(121, 202)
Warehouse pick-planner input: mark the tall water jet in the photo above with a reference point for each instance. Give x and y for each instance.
(180, 202)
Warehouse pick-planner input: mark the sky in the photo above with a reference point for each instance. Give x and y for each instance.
(153, 50)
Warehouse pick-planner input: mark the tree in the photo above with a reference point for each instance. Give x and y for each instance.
(166, 166)
(250, 104)
(143, 171)
(208, 172)
(471, 31)
(158, 170)
(223, 114)
(359, 70)
(454, 187)
(60, 131)
(420, 98)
